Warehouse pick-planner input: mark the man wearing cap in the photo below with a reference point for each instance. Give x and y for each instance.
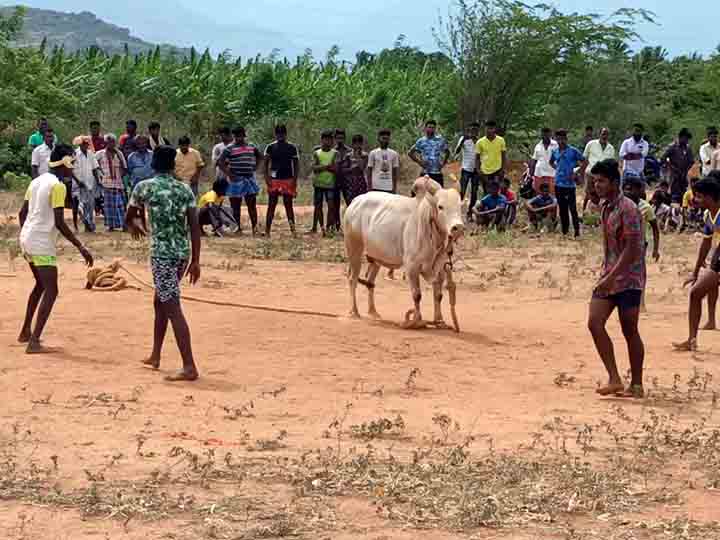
(41, 217)
(87, 178)
(679, 159)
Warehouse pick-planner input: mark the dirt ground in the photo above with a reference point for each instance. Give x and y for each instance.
(94, 446)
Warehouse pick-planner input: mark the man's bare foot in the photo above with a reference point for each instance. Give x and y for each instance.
(686, 346)
(632, 392)
(24, 337)
(710, 326)
(610, 389)
(151, 362)
(35, 347)
(183, 376)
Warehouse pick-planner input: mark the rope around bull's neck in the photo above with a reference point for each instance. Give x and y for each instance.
(237, 305)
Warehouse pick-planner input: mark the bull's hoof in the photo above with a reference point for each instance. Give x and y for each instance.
(414, 324)
(374, 315)
(440, 324)
(354, 314)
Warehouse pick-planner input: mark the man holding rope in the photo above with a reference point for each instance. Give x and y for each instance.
(41, 217)
(171, 208)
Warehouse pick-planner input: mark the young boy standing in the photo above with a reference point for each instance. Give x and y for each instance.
(41, 217)
(239, 162)
(622, 282)
(325, 169)
(383, 165)
(704, 282)
(171, 208)
(282, 166)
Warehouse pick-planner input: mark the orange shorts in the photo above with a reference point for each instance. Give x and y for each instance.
(283, 187)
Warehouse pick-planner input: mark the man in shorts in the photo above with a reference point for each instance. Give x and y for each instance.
(240, 162)
(41, 217)
(704, 282)
(622, 282)
(172, 210)
(282, 163)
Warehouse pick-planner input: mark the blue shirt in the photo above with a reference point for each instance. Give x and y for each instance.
(140, 167)
(541, 201)
(565, 163)
(493, 202)
(432, 150)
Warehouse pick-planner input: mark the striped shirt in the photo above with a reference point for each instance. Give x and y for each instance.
(242, 159)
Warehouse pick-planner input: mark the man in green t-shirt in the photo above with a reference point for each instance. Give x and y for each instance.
(171, 208)
(325, 170)
(38, 137)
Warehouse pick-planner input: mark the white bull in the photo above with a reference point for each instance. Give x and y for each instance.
(417, 234)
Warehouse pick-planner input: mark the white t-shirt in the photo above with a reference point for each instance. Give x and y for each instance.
(84, 167)
(469, 154)
(39, 234)
(706, 157)
(542, 157)
(41, 158)
(381, 163)
(631, 146)
(594, 152)
(217, 152)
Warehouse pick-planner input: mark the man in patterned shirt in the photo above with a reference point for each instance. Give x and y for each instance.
(704, 282)
(171, 207)
(431, 153)
(622, 282)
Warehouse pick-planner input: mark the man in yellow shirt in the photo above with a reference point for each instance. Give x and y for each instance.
(188, 164)
(491, 156)
(211, 211)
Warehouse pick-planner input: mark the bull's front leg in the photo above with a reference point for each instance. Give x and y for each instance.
(452, 289)
(413, 318)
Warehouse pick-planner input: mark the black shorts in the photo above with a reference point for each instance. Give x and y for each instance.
(320, 194)
(630, 299)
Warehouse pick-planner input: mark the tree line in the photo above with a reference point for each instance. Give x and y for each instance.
(523, 66)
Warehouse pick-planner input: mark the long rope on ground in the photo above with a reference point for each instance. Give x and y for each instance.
(234, 304)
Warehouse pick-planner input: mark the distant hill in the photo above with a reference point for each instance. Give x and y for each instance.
(79, 31)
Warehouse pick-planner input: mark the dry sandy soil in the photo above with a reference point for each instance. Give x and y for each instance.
(270, 442)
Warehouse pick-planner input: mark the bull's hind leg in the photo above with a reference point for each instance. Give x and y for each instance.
(354, 269)
(372, 273)
(413, 318)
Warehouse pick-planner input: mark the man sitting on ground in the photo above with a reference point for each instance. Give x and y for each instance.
(542, 209)
(490, 210)
(512, 202)
(211, 211)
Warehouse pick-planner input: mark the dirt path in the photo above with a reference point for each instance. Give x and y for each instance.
(264, 374)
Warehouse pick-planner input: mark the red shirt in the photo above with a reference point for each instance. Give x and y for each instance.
(622, 226)
(509, 195)
(98, 143)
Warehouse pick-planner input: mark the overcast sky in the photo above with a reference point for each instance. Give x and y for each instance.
(294, 25)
